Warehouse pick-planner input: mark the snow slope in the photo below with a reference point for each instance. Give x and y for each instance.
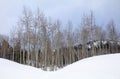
(12, 70)
(98, 67)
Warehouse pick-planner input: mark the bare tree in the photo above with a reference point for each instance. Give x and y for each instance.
(27, 21)
(58, 43)
(84, 39)
(112, 35)
(19, 40)
(70, 41)
(13, 40)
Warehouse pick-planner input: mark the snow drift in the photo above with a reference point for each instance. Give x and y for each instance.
(98, 67)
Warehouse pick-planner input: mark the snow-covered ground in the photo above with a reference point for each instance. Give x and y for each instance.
(98, 67)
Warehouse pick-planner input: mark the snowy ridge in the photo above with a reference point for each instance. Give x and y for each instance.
(97, 67)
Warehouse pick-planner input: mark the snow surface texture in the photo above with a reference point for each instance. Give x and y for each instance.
(98, 67)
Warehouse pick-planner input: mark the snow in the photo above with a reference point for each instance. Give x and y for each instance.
(104, 42)
(89, 46)
(96, 43)
(12, 70)
(97, 67)
(118, 43)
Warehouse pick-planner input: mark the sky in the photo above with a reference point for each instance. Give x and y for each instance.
(64, 10)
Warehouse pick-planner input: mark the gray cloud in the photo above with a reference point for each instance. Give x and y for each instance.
(64, 10)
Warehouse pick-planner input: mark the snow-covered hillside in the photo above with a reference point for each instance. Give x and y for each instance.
(98, 67)
(12, 70)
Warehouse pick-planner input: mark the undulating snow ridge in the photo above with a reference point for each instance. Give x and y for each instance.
(98, 67)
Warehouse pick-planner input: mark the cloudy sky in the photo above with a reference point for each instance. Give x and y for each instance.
(104, 11)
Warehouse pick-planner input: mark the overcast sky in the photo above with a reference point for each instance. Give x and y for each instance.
(104, 11)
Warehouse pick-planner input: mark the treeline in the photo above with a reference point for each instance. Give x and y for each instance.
(38, 41)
